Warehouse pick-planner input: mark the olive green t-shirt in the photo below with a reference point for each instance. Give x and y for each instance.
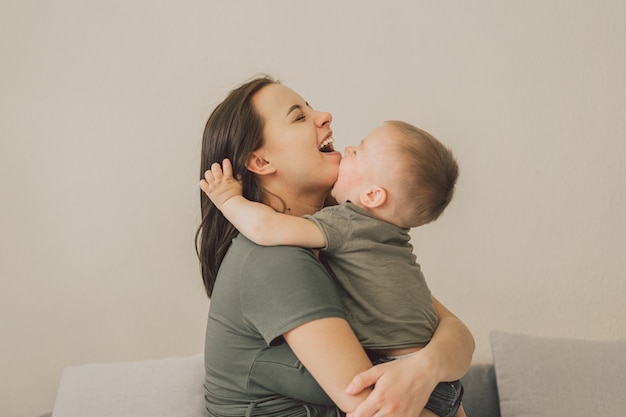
(388, 302)
(261, 293)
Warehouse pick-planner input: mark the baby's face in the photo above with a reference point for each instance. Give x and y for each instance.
(359, 167)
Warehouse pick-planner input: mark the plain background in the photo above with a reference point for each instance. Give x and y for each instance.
(102, 107)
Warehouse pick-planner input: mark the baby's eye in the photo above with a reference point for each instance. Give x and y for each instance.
(300, 117)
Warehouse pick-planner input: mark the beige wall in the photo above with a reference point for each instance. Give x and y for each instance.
(102, 106)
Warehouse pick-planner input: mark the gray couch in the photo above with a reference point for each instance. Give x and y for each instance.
(481, 392)
(173, 387)
(529, 376)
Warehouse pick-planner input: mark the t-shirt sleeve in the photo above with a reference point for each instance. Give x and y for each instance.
(288, 287)
(335, 225)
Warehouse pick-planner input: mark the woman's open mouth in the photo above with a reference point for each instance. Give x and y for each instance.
(327, 145)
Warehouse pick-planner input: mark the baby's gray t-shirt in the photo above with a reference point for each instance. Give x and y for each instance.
(388, 302)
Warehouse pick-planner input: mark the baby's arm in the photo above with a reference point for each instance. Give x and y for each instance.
(257, 221)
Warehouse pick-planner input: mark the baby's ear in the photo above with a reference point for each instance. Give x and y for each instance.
(257, 163)
(374, 197)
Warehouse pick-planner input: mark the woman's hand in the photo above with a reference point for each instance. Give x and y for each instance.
(402, 387)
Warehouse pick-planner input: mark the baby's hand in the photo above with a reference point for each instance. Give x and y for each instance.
(220, 186)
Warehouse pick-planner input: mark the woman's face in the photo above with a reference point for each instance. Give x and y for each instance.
(298, 141)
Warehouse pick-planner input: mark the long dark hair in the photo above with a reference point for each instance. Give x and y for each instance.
(233, 131)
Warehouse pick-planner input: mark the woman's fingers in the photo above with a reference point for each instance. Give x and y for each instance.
(371, 405)
(364, 380)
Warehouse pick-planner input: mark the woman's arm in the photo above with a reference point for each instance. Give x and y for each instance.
(403, 386)
(332, 354)
(258, 222)
(453, 345)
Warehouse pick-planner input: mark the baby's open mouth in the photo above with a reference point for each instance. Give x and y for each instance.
(327, 145)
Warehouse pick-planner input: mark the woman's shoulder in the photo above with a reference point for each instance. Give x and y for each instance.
(248, 257)
(246, 247)
(259, 269)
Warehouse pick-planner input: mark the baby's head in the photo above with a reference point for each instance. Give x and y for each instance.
(399, 173)
(426, 172)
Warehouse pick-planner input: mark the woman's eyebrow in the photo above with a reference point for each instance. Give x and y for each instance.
(294, 107)
(297, 107)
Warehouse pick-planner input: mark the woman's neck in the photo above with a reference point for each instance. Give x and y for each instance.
(294, 204)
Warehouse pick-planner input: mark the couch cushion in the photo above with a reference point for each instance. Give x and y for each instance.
(481, 393)
(164, 387)
(538, 376)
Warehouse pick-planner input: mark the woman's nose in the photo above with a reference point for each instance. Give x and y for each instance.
(324, 118)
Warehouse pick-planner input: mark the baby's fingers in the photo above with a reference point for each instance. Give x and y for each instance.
(208, 182)
(216, 171)
(227, 166)
(204, 186)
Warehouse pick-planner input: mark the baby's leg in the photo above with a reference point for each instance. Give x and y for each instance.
(427, 413)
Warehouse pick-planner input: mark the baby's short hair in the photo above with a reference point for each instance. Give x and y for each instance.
(433, 173)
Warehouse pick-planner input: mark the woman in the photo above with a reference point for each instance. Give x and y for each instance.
(274, 309)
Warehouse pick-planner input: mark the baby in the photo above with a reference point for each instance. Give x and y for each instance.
(397, 178)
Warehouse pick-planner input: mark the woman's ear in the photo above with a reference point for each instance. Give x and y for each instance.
(257, 163)
(374, 197)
